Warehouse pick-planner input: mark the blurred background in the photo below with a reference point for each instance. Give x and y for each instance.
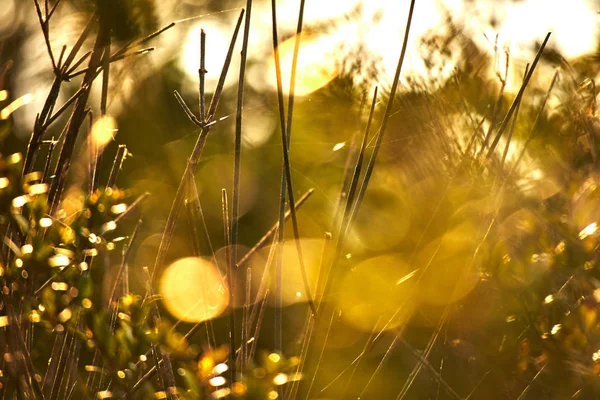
(422, 207)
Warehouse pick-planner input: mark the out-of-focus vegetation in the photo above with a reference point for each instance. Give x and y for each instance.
(447, 233)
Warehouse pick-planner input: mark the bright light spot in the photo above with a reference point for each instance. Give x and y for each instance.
(298, 294)
(192, 290)
(3, 95)
(105, 394)
(555, 329)
(35, 317)
(596, 356)
(118, 208)
(273, 395)
(549, 299)
(217, 381)
(339, 146)
(219, 369)
(4, 182)
(274, 357)
(65, 315)
(588, 230)
(109, 226)
(143, 358)
(560, 247)
(597, 295)
(104, 130)
(280, 379)
(86, 303)
(3, 321)
(317, 63)
(45, 222)
(221, 393)
(60, 286)
(59, 260)
(27, 249)
(12, 107)
(19, 263)
(38, 188)
(20, 201)
(121, 374)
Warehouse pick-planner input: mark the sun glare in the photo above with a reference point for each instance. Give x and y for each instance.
(193, 290)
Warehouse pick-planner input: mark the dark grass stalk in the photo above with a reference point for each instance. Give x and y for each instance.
(534, 129)
(105, 77)
(348, 168)
(192, 164)
(60, 57)
(117, 165)
(77, 116)
(498, 105)
(51, 146)
(202, 75)
(349, 209)
(63, 108)
(45, 30)
(96, 71)
(42, 119)
(231, 281)
(235, 206)
(245, 318)
(512, 127)
(291, 95)
(285, 183)
(517, 99)
(272, 230)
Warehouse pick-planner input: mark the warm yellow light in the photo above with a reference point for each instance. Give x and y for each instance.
(3, 95)
(317, 63)
(449, 266)
(193, 290)
(370, 292)
(294, 290)
(104, 130)
(15, 105)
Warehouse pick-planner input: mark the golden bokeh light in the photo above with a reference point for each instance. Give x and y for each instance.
(317, 63)
(104, 131)
(193, 290)
(450, 266)
(293, 284)
(256, 265)
(376, 292)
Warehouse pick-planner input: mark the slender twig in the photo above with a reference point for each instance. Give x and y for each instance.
(272, 230)
(192, 164)
(231, 282)
(117, 165)
(237, 160)
(202, 75)
(517, 99)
